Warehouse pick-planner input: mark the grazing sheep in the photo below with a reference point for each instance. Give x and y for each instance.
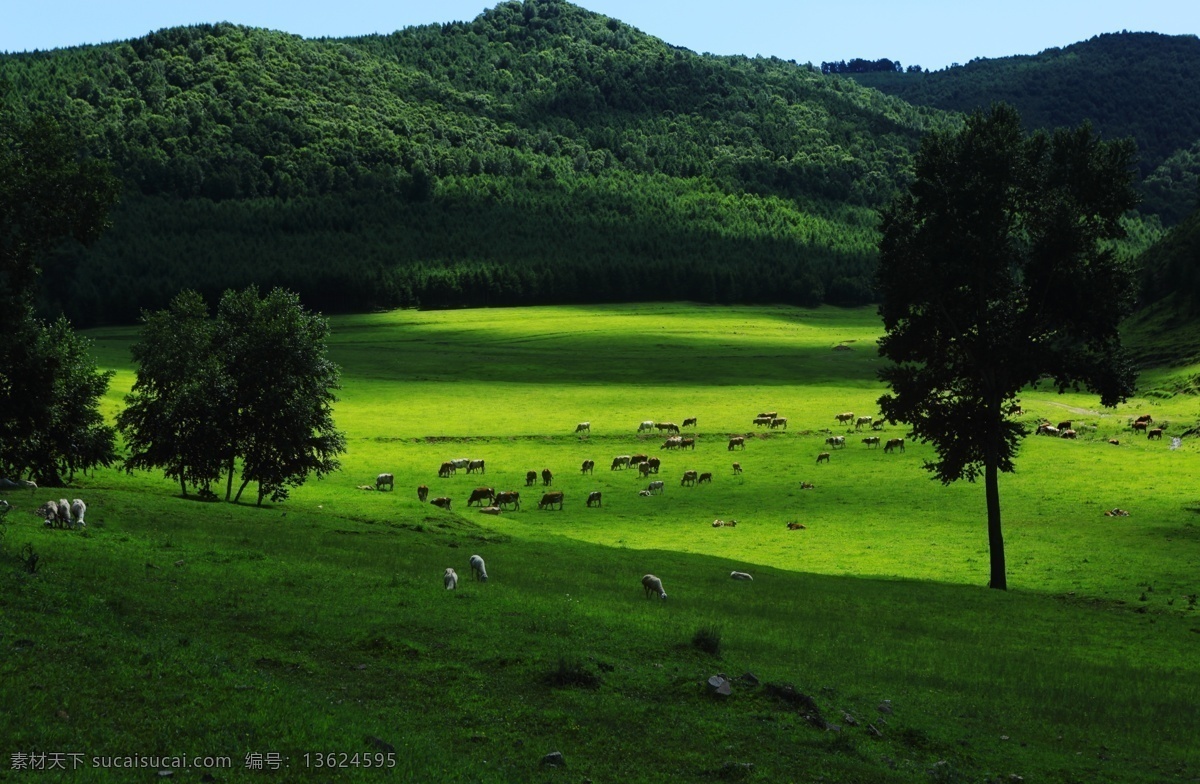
(450, 579)
(78, 508)
(740, 576)
(652, 584)
(478, 569)
(49, 512)
(385, 479)
(64, 512)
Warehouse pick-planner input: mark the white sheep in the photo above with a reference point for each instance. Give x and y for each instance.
(78, 508)
(64, 512)
(478, 569)
(652, 584)
(740, 576)
(450, 578)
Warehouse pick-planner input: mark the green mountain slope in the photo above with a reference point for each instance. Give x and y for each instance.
(540, 153)
(1142, 85)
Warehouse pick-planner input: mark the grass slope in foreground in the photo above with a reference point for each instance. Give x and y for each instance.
(173, 626)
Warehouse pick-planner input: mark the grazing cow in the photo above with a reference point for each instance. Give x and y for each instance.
(422, 492)
(652, 584)
(871, 441)
(530, 478)
(862, 420)
(769, 414)
(668, 427)
(476, 465)
(878, 425)
(646, 426)
(762, 420)
(442, 501)
(894, 443)
(794, 526)
(656, 487)
(654, 464)
(689, 478)
(620, 461)
(450, 579)
(446, 471)
(547, 477)
(644, 469)
(460, 463)
(509, 498)
(737, 468)
(823, 458)
(583, 427)
(1114, 442)
(588, 467)
(1064, 425)
(1154, 433)
(1068, 433)
(593, 498)
(638, 459)
(1145, 418)
(737, 441)
(480, 493)
(550, 499)
(385, 479)
(705, 477)
(779, 422)
(836, 442)
(688, 443)
(689, 422)
(673, 442)
(1140, 425)
(1047, 429)
(845, 417)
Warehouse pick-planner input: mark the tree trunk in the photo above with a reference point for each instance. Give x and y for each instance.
(183, 486)
(991, 483)
(260, 493)
(238, 497)
(229, 482)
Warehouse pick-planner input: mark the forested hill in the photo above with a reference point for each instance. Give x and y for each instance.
(1142, 85)
(539, 153)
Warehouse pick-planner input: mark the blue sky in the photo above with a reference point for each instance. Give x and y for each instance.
(931, 33)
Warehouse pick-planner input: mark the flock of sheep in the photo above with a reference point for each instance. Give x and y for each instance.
(61, 514)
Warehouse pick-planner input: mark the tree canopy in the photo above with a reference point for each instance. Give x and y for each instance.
(996, 269)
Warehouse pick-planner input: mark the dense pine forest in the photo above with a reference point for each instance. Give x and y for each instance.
(1126, 84)
(540, 153)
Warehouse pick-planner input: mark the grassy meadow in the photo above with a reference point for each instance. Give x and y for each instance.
(173, 626)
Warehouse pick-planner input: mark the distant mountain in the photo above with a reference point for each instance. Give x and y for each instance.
(539, 153)
(1142, 85)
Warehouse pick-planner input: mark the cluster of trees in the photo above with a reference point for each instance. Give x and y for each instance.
(859, 65)
(1139, 85)
(1172, 269)
(539, 153)
(251, 387)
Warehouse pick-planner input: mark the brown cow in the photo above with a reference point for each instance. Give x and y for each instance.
(1064, 425)
(779, 422)
(547, 477)
(823, 458)
(1145, 418)
(689, 422)
(688, 443)
(737, 441)
(768, 414)
(862, 420)
(845, 417)
(441, 501)
(893, 443)
(1140, 425)
(550, 499)
(794, 526)
(654, 464)
(644, 468)
(737, 468)
(422, 492)
(593, 498)
(1154, 433)
(446, 471)
(689, 478)
(511, 497)
(620, 461)
(705, 477)
(669, 427)
(530, 478)
(673, 442)
(476, 465)
(480, 493)
(762, 420)
(589, 467)
(638, 459)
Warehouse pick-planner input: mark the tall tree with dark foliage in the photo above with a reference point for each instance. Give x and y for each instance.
(995, 272)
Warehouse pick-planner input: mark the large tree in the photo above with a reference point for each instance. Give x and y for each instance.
(49, 385)
(995, 270)
(254, 386)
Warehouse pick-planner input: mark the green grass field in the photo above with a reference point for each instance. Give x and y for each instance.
(173, 626)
